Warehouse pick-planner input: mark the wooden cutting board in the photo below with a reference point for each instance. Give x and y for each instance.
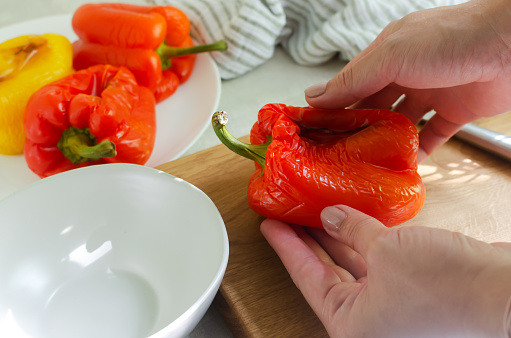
(468, 190)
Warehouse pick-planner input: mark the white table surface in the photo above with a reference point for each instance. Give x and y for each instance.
(279, 80)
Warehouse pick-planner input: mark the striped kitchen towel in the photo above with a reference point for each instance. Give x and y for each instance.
(311, 31)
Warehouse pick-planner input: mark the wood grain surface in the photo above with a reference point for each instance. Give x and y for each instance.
(467, 190)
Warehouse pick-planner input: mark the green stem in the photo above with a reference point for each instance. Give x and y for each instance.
(79, 145)
(254, 152)
(167, 52)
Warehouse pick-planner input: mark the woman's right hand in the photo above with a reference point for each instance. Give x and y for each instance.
(455, 60)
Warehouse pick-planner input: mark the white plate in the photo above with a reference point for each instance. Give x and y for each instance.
(181, 119)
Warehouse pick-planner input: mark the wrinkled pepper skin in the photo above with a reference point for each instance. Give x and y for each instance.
(366, 159)
(144, 39)
(26, 64)
(104, 101)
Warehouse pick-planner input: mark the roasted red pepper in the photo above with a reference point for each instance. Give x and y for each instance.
(153, 42)
(307, 159)
(96, 115)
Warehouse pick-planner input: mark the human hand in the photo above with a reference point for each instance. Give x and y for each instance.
(363, 279)
(455, 60)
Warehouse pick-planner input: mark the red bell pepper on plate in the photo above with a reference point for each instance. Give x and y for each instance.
(308, 159)
(153, 42)
(96, 115)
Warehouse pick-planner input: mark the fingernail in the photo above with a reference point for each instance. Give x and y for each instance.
(332, 218)
(316, 90)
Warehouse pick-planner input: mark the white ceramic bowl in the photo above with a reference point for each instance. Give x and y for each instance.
(115, 250)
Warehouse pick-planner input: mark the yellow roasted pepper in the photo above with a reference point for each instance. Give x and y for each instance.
(26, 64)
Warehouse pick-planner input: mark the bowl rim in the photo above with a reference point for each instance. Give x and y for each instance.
(215, 282)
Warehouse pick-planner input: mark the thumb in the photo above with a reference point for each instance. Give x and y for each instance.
(352, 227)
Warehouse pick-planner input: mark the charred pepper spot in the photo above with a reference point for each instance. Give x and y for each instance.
(12, 60)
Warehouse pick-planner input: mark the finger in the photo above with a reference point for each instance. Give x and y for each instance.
(352, 227)
(294, 252)
(324, 255)
(368, 73)
(413, 107)
(340, 253)
(502, 245)
(435, 133)
(384, 99)
(313, 278)
(286, 243)
(353, 83)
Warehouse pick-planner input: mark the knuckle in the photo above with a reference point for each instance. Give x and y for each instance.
(390, 243)
(342, 80)
(377, 249)
(354, 227)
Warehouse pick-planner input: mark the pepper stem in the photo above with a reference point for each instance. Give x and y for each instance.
(79, 145)
(167, 52)
(254, 152)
